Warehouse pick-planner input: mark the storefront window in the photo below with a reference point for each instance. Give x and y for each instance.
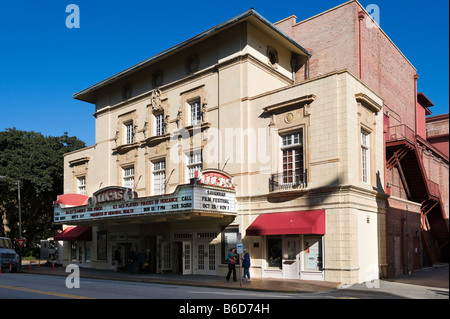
(313, 253)
(229, 240)
(274, 251)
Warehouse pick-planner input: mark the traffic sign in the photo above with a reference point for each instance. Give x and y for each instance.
(240, 248)
(21, 242)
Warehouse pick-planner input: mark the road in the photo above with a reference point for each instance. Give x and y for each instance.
(28, 286)
(32, 286)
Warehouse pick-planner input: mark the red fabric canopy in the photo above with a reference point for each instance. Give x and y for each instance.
(68, 200)
(290, 223)
(73, 233)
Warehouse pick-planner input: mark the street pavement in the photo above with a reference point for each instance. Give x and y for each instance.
(429, 283)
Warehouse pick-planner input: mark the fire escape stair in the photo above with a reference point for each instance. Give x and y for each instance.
(404, 153)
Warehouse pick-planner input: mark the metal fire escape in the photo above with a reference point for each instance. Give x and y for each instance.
(402, 151)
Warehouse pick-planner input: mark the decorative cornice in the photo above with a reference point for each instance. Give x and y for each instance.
(121, 149)
(368, 102)
(290, 104)
(155, 140)
(79, 161)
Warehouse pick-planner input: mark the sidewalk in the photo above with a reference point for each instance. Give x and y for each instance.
(436, 276)
(414, 285)
(260, 284)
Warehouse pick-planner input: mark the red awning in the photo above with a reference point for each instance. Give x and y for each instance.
(68, 200)
(290, 223)
(75, 233)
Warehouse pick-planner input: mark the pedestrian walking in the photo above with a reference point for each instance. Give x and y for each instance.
(231, 258)
(246, 265)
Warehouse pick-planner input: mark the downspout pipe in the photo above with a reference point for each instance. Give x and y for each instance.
(361, 16)
(416, 77)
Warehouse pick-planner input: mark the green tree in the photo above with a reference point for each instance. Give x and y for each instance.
(37, 161)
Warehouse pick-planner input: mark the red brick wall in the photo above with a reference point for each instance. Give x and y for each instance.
(402, 228)
(438, 132)
(389, 73)
(330, 36)
(333, 39)
(437, 172)
(437, 125)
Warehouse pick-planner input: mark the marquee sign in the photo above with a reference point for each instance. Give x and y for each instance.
(120, 202)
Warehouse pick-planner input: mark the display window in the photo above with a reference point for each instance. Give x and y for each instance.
(274, 252)
(313, 253)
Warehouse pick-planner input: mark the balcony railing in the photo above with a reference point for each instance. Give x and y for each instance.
(400, 132)
(433, 188)
(288, 180)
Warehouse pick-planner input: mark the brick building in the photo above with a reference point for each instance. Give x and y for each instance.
(293, 137)
(416, 148)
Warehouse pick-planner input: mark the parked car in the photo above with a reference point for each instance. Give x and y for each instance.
(8, 257)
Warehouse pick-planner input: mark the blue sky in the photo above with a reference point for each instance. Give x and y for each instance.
(42, 62)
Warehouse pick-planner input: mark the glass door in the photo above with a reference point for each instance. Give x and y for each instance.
(187, 258)
(291, 256)
(206, 259)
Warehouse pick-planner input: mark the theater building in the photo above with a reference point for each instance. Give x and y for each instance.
(232, 136)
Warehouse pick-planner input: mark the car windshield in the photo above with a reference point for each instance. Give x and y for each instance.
(5, 243)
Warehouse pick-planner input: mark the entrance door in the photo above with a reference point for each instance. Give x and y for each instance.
(124, 250)
(187, 258)
(291, 267)
(166, 260)
(150, 245)
(416, 244)
(206, 259)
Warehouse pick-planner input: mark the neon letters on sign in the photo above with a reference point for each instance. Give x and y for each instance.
(111, 194)
(213, 177)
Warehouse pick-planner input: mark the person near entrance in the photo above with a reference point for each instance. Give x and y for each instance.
(231, 258)
(147, 261)
(133, 259)
(116, 259)
(246, 265)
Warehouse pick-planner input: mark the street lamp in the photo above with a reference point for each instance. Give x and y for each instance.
(20, 209)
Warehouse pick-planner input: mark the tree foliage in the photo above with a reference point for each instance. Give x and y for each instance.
(37, 161)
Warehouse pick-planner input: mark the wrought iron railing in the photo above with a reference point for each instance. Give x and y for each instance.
(288, 180)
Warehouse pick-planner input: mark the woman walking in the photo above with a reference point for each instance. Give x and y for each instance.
(246, 265)
(231, 258)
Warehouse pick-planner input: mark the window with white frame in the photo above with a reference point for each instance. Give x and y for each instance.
(365, 157)
(128, 177)
(194, 112)
(129, 134)
(81, 181)
(159, 177)
(194, 164)
(292, 158)
(159, 124)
